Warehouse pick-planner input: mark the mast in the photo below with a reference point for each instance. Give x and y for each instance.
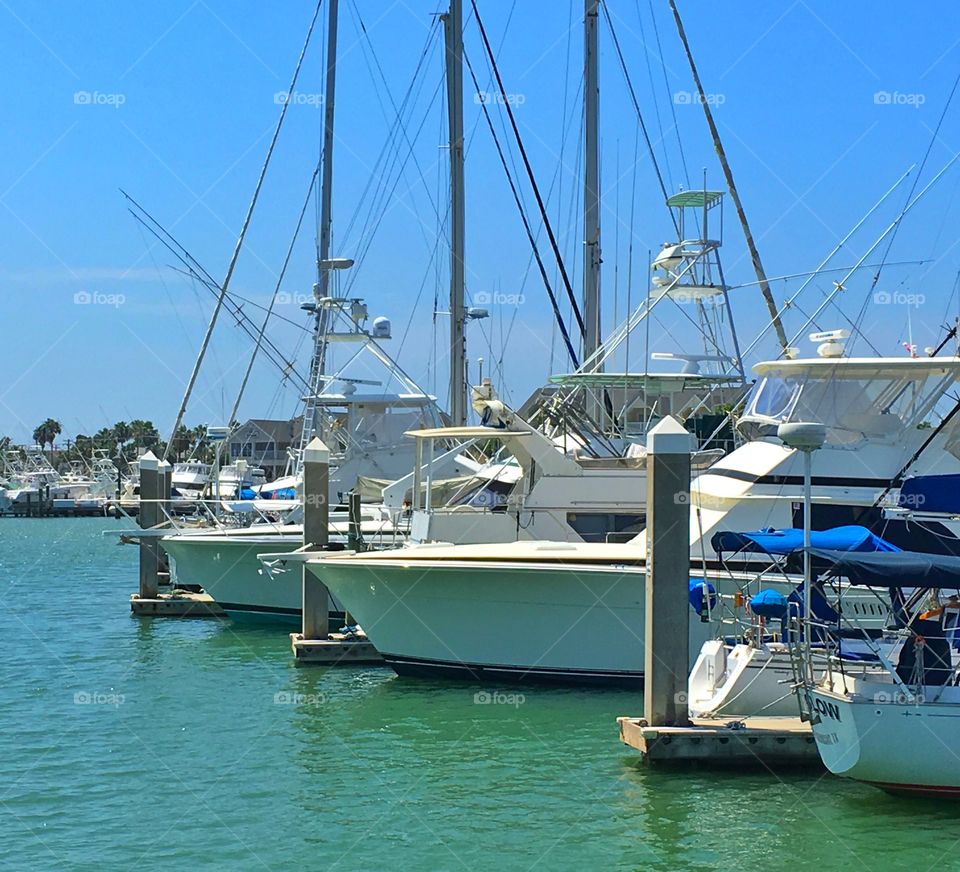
(326, 183)
(591, 183)
(453, 33)
(734, 195)
(321, 289)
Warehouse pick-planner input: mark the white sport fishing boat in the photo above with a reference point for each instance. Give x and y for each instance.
(881, 419)
(364, 430)
(896, 728)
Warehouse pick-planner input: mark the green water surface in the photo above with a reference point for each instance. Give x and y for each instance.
(132, 743)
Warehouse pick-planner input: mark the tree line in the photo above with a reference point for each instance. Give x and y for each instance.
(124, 441)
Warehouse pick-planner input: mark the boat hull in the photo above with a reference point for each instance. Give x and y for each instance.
(227, 568)
(505, 622)
(896, 745)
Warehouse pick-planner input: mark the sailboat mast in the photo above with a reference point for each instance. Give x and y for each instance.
(453, 33)
(591, 183)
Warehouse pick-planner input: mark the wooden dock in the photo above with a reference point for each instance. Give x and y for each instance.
(336, 650)
(767, 743)
(176, 604)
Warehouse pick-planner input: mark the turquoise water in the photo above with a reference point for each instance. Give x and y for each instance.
(166, 744)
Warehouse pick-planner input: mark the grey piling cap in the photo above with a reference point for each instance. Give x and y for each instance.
(669, 436)
(803, 435)
(316, 451)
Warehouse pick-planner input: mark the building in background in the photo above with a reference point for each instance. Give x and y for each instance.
(265, 443)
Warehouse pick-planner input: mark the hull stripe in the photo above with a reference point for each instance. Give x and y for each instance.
(917, 789)
(427, 668)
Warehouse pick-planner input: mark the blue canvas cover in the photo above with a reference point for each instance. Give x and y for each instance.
(698, 596)
(931, 493)
(894, 570)
(770, 541)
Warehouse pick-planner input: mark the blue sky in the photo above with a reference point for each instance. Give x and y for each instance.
(821, 106)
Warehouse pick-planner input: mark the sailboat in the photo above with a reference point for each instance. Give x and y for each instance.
(896, 727)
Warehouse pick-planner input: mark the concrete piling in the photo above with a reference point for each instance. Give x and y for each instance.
(314, 644)
(149, 516)
(667, 630)
(316, 533)
(666, 735)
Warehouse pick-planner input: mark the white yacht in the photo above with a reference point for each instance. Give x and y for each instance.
(542, 609)
(364, 430)
(189, 479)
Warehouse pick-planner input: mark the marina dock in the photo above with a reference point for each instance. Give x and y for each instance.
(755, 742)
(333, 651)
(176, 604)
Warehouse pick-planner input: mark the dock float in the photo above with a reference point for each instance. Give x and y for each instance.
(176, 604)
(335, 650)
(768, 743)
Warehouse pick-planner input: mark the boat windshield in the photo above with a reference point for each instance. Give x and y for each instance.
(852, 409)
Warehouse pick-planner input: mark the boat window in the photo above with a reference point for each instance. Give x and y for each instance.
(772, 398)
(852, 409)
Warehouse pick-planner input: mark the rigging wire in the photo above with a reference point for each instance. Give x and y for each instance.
(916, 180)
(243, 232)
(526, 226)
(526, 162)
(273, 299)
(666, 87)
(636, 108)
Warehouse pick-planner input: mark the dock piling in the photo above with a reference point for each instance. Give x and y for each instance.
(150, 491)
(315, 644)
(316, 534)
(667, 627)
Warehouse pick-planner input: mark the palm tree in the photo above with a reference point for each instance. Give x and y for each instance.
(144, 434)
(47, 432)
